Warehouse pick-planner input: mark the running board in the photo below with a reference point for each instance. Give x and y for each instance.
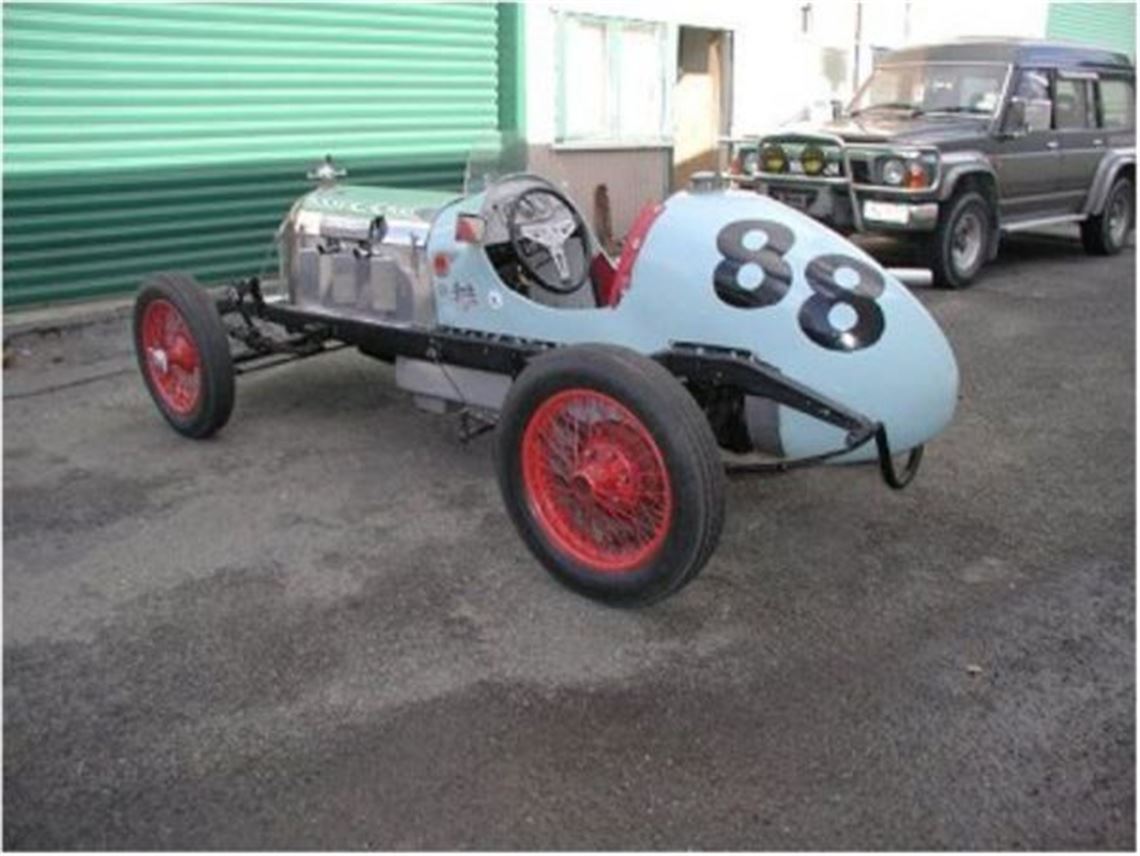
(1023, 225)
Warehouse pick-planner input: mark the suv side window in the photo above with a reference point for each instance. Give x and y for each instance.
(1075, 105)
(1117, 103)
(1033, 88)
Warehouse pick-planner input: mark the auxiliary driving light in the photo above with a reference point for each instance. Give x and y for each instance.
(813, 160)
(773, 159)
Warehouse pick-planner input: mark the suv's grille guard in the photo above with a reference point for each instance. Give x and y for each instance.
(844, 180)
(848, 178)
(741, 370)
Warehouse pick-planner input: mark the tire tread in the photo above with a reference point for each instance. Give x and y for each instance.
(677, 409)
(200, 314)
(1094, 229)
(939, 252)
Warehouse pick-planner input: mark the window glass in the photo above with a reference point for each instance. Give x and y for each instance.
(585, 97)
(1033, 89)
(1117, 104)
(640, 83)
(932, 88)
(612, 80)
(1033, 85)
(1073, 104)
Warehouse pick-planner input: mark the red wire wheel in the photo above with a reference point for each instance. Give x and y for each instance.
(596, 480)
(172, 359)
(610, 473)
(184, 354)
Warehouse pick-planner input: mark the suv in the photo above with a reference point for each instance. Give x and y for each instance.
(954, 144)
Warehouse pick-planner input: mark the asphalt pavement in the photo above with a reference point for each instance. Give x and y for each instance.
(319, 630)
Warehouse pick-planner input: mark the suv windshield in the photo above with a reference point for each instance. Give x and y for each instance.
(972, 88)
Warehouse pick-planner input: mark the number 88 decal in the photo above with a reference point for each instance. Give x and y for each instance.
(753, 273)
(839, 280)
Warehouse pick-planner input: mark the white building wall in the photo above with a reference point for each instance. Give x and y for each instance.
(933, 21)
(779, 68)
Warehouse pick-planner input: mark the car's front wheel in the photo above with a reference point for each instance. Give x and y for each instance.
(960, 245)
(611, 473)
(1104, 234)
(183, 354)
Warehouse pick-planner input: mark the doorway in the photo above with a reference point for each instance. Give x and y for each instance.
(701, 100)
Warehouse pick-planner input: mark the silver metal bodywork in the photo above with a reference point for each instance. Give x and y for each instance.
(436, 385)
(351, 252)
(347, 251)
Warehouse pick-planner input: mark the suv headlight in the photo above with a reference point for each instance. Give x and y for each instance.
(893, 171)
(912, 171)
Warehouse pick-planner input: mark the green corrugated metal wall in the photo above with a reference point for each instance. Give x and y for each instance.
(1106, 25)
(144, 137)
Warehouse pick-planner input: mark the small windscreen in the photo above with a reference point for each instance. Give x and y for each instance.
(491, 157)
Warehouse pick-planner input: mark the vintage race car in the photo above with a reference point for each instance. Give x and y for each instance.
(732, 333)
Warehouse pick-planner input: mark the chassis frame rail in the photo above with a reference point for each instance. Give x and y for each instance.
(743, 371)
(313, 333)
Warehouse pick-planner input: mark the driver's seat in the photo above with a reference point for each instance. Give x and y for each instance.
(612, 281)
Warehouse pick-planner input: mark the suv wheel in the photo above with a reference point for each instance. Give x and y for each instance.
(960, 244)
(1104, 234)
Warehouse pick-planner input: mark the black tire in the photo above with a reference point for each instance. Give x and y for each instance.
(210, 408)
(656, 406)
(950, 270)
(1103, 234)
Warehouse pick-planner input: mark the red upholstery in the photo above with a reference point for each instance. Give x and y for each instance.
(602, 274)
(610, 281)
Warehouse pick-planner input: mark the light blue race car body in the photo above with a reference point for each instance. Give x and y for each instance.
(832, 319)
(751, 337)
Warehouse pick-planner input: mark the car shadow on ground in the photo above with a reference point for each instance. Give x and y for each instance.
(1018, 248)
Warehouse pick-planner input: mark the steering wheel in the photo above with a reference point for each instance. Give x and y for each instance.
(549, 240)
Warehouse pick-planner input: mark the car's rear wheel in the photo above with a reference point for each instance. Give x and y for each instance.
(183, 354)
(611, 473)
(1106, 233)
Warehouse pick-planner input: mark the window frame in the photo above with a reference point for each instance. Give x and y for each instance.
(612, 138)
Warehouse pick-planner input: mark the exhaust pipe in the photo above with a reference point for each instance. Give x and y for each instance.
(911, 277)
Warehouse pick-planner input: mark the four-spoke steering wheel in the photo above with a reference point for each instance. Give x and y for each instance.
(549, 240)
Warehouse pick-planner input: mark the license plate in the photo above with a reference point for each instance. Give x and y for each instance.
(885, 212)
(796, 200)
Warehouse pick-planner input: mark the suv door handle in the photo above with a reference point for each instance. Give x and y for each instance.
(1052, 144)
(1098, 142)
